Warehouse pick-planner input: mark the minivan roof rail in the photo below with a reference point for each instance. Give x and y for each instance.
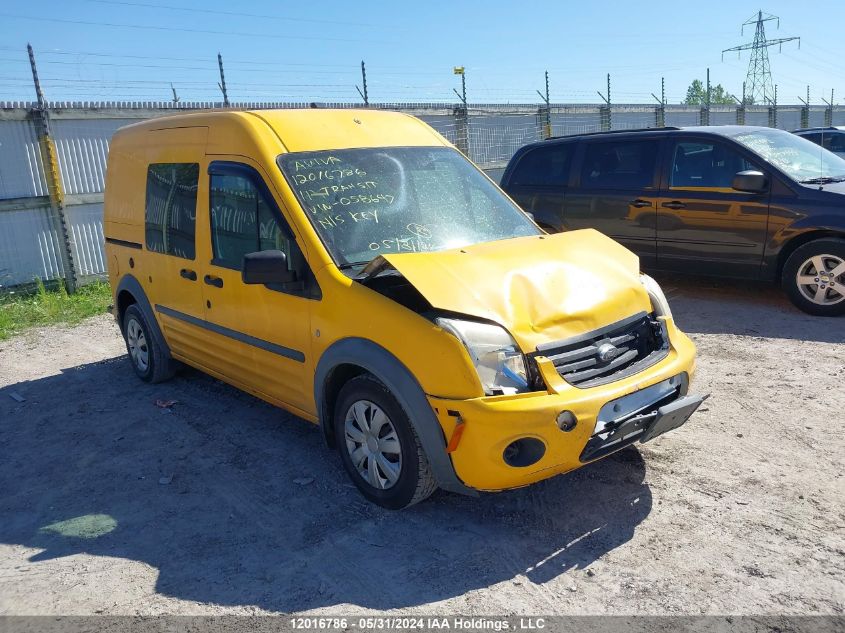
(641, 129)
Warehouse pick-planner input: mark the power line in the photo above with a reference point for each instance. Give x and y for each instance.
(180, 30)
(234, 13)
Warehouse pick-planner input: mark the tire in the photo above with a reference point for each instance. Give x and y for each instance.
(391, 479)
(145, 354)
(822, 292)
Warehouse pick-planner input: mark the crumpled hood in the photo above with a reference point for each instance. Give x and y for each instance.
(540, 288)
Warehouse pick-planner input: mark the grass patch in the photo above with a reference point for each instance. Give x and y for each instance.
(22, 310)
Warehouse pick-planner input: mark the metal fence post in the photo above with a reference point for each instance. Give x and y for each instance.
(462, 114)
(545, 112)
(660, 111)
(462, 129)
(605, 116)
(828, 112)
(773, 111)
(805, 110)
(49, 159)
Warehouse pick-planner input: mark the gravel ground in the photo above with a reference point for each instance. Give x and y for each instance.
(222, 504)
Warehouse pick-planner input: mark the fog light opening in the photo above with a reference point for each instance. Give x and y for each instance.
(524, 452)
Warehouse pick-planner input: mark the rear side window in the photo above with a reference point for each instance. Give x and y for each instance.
(544, 166)
(835, 142)
(171, 208)
(619, 165)
(243, 221)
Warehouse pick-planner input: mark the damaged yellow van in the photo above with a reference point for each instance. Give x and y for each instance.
(354, 268)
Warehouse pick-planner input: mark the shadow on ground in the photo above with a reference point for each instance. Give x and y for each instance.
(86, 465)
(744, 308)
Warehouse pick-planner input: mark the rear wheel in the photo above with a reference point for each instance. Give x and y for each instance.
(814, 277)
(146, 355)
(378, 446)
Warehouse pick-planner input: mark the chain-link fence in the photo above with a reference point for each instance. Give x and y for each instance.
(52, 177)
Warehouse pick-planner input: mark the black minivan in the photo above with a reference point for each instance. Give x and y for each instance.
(736, 201)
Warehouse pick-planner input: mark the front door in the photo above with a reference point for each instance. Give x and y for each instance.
(259, 335)
(703, 224)
(616, 193)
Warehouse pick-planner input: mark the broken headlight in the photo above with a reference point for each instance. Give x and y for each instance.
(658, 299)
(499, 362)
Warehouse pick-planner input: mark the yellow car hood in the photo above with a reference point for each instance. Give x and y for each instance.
(540, 288)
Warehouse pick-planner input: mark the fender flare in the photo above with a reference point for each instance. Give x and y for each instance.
(131, 285)
(407, 391)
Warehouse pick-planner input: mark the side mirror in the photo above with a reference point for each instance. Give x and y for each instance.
(266, 267)
(530, 216)
(750, 181)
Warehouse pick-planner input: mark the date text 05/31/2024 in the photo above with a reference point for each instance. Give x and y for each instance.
(455, 623)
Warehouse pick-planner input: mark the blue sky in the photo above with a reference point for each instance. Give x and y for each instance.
(311, 51)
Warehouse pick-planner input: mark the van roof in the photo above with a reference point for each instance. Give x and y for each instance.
(309, 129)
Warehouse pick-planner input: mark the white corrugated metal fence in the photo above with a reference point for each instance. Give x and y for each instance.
(31, 247)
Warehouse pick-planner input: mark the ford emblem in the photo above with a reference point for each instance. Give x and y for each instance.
(607, 352)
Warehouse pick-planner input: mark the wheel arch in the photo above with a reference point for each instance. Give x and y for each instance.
(351, 357)
(800, 240)
(130, 292)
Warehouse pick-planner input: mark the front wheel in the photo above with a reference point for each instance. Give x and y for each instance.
(378, 446)
(814, 277)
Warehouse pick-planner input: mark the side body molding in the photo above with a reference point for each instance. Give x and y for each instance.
(402, 384)
(133, 287)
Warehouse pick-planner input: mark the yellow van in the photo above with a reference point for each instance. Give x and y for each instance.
(354, 268)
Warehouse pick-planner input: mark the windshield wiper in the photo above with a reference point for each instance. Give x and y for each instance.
(822, 180)
(349, 265)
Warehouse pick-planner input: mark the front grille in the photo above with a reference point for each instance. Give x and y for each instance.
(609, 353)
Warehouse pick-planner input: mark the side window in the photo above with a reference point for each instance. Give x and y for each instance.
(544, 166)
(243, 221)
(171, 208)
(835, 142)
(712, 165)
(815, 138)
(619, 165)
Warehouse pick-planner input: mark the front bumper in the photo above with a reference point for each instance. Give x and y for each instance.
(491, 424)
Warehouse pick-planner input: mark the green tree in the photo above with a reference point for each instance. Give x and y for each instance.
(697, 94)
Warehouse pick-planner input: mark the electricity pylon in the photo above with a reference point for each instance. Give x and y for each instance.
(759, 78)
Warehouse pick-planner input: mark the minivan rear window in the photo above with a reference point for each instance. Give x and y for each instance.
(171, 208)
(619, 165)
(544, 166)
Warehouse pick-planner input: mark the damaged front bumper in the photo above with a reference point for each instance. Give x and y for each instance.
(607, 417)
(641, 416)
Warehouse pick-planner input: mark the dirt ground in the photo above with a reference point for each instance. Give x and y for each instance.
(222, 504)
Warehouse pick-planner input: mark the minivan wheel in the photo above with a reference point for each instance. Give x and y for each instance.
(147, 357)
(378, 446)
(814, 277)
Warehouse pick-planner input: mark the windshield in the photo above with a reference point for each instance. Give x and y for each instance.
(369, 202)
(799, 158)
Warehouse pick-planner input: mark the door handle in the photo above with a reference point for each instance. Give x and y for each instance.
(213, 281)
(188, 274)
(640, 203)
(674, 205)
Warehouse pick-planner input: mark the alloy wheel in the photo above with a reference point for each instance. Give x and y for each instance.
(821, 279)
